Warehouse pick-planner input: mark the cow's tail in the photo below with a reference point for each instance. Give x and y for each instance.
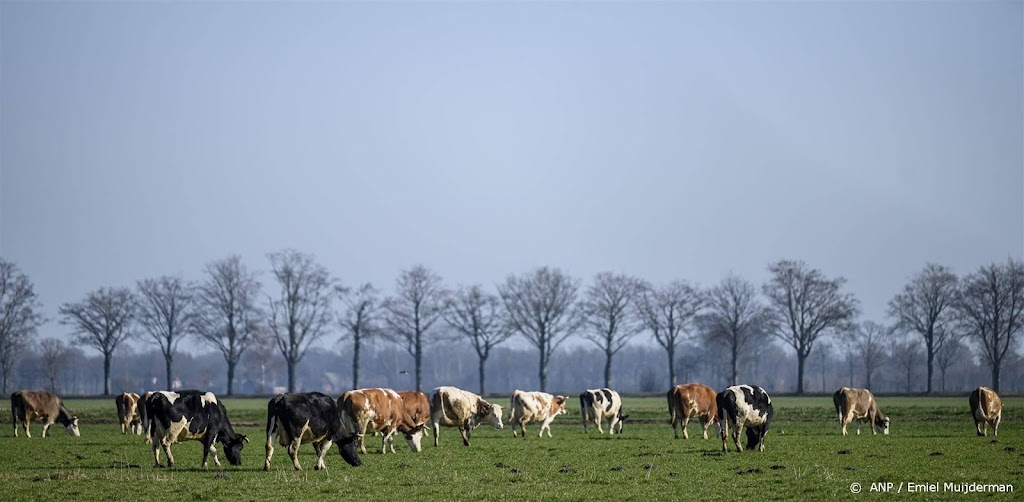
(837, 400)
(672, 409)
(14, 412)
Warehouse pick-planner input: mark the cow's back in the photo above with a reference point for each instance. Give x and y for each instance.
(35, 403)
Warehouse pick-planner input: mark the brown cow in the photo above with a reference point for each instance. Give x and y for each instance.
(29, 404)
(860, 405)
(381, 410)
(986, 408)
(128, 412)
(417, 404)
(690, 401)
(535, 406)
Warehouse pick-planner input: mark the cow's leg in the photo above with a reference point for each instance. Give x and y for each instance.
(156, 455)
(706, 421)
(28, 423)
(437, 430)
(995, 425)
(843, 422)
(586, 422)
(167, 451)
(216, 459)
(293, 451)
(686, 422)
(464, 429)
(871, 420)
(321, 451)
(46, 427)
(271, 438)
(675, 425)
(611, 424)
(736, 436)
(723, 431)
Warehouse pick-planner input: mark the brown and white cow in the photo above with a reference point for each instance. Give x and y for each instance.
(454, 407)
(128, 412)
(599, 404)
(380, 410)
(29, 404)
(692, 400)
(535, 407)
(860, 405)
(417, 404)
(986, 408)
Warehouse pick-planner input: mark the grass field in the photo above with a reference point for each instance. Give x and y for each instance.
(932, 440)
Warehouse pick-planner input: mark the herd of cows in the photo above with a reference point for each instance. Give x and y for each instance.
(167, 417)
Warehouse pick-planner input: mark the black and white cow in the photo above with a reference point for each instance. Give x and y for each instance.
(744, 406)
(597, 405)
(191, 414)
(309, 416)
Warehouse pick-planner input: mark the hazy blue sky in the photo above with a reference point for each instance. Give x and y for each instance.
(663, 139)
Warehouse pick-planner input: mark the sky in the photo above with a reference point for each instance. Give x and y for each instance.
(665, 139)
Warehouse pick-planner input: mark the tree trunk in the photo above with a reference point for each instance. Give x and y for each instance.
(355, 362)
(543, 375)
(671, 349)
(995, 378)
(735, 363)
(5, 381)
(942, 371)
(419, 363)
(482, 361)
(800, 360)
(931, 357)
(608, 370)
(291, 374)
(170, 377)
(106, 374)
(231, 378)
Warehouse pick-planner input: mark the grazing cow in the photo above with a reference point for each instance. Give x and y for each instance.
(597, 405)
(191, 414)
(128, 412)
(860, 405)
(986, 408)
(29, 404)
(417, 404)
(454, 407)
(690, 401)
(310, 416)
(744, 406)
(381, 410)
(535, 406)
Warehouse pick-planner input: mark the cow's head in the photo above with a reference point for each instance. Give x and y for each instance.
(72, 428)
(882, 423)
(490, 413)
(414, 436)
(560, 405)
(233, 448)
(348, 449)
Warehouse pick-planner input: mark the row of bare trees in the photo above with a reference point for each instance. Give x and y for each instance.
(797, 305)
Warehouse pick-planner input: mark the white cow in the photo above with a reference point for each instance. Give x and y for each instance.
(597, 405)
(535, 407)
(454, 407)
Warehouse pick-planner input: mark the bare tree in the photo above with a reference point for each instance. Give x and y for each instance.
(54, 354)
(19, 316)
(734, 318)
(478, 316)
(668, 311)
(952, 350)
(991, 308)
(227, 316)
(102, 321)
(926, 307)
(907, 353)
(541, 306)
(167, 313)
(418, 303)
(302, 312)
(804, 305)
(360, 322)
(609, 320)
(868, 340)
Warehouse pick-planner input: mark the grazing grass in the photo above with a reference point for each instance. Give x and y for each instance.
(932, 441)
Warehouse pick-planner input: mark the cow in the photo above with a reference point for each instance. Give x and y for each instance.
(128, 412)
(191, 415)
(144, 416)
(535, 406)
(454, 407)
(986, 408)
(417, 404)
(860, 405)
(310, 416)
(29, 404)
(599, 404)
(692, 400)
(744, 406)
(381, 410)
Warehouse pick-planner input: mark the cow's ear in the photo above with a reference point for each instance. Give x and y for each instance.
(245, 438)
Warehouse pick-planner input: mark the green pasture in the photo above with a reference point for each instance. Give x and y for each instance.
(932, 441)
